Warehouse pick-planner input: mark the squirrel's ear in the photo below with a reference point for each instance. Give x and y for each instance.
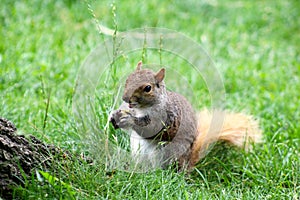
(160, 75)
(139, 66)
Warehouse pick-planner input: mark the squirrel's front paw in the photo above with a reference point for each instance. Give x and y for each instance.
(121, 119)
(113, 120)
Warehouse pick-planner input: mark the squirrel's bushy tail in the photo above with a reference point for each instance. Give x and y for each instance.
(235, 128)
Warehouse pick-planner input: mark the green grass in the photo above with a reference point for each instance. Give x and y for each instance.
(255, 46)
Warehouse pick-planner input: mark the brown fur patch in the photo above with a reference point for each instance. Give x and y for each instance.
(238, 129)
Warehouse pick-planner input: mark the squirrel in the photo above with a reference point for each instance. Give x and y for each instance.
(164, 126)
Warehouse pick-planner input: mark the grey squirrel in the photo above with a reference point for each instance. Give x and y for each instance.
(165, 128)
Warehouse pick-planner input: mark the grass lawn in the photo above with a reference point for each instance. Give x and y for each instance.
(254, 45)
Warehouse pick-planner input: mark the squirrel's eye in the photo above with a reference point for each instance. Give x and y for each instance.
(147, 88)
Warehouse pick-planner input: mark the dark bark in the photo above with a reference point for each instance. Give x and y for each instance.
(19, 156)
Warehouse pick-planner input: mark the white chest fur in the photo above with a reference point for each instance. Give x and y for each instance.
(140, 145)
(143, 150)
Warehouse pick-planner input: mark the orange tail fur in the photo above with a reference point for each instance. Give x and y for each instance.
(235, 128)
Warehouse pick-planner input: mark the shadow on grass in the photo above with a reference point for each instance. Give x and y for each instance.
(222, 165)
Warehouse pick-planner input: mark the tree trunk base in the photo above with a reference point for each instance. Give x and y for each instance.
(19, 156)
